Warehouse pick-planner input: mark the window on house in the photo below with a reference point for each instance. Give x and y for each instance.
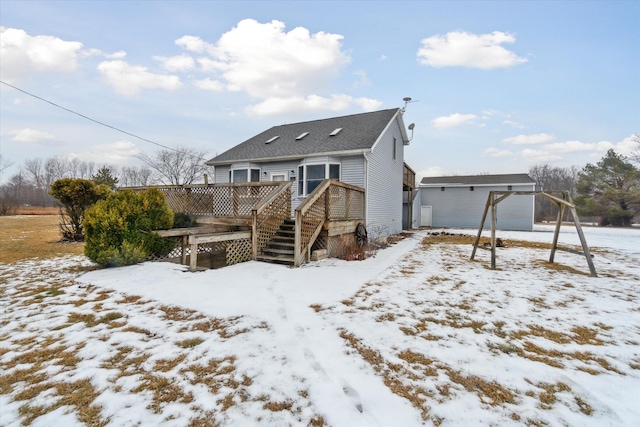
(310, 176)
(244, 175)
(509, 187)
(395, 148)
(471, 188)
(441, 188)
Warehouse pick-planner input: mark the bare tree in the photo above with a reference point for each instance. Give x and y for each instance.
(552, 178)
(34, 169)
(86, 170)
(178, 167)
(135, 176)
(4, 163)
(55, 168)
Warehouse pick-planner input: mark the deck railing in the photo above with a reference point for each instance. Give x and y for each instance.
(269, 215)
(331, 200)
(408, 178)
(218, 200)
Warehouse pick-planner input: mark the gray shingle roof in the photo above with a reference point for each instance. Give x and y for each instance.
(359, 133)
(514, 178)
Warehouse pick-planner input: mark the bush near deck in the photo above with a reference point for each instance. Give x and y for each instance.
(119, 230)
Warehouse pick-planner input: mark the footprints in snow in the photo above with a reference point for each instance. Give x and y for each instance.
(349, 392)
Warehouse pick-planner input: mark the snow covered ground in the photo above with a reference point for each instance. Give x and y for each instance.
(417, 335)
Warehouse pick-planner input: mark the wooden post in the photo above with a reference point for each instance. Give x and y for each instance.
(254, 234)
(297, 240)
(484, 217)
(193, 261)
(185, 238)
(583, 241)
(410, 209)
(493, 231)
(556, 232)
(327, 202)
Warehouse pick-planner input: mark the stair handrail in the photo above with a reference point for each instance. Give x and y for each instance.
(302, 243)
(257, 230)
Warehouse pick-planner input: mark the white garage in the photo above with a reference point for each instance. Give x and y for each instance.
(459, 201)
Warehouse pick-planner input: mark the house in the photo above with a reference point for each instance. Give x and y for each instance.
(363, 150)
(459, 201)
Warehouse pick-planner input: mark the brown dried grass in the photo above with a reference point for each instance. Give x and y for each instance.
(26, 237)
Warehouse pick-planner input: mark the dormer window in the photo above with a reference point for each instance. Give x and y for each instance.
(302, 135)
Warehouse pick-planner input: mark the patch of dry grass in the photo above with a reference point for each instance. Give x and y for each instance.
(26, 237)
(190, 342)
(163, 391)
(490, 392)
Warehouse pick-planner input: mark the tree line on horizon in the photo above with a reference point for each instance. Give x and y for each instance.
(31, 185)
(608, 190)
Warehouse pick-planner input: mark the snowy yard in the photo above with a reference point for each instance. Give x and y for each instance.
(418, 335)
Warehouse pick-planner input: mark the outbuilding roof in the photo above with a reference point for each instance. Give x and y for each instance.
(514, 178)
(356, 133)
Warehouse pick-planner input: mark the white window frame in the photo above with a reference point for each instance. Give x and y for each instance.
(231, 171)
(303, 182)
(285, 174)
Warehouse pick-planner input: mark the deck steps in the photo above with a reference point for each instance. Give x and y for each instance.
(280, 248)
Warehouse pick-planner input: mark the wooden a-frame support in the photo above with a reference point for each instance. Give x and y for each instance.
(563, 202)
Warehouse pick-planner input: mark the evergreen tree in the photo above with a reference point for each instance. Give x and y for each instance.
(610, 189)
(75, 196)
(104, 176)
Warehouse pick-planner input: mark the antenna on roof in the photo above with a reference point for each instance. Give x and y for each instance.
(407, 100)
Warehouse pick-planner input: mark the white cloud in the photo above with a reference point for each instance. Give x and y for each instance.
(453, 120)
(363, 80)
(627, 145)
(538, 156)
(115, 153)
(430, 171)
(538, 138)
(179, 63)
(208, 84)
(496, 153)
(575, 146)
(459, 48)
(97, 52)
(382, 57)
(293, 105)
(194, 44)
(286, 71)
(130, 79)
(23, 54)
(34, 137)
(513, 124)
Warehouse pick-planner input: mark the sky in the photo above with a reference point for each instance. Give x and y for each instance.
(496, 87)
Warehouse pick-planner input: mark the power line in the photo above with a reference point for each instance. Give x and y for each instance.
(96, 121)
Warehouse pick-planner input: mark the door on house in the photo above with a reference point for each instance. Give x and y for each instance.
(425, 216)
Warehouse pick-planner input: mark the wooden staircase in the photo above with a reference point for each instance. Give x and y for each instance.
(280, 249)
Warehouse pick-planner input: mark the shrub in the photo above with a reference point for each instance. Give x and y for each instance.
(183, 220)
(75, 195)
(119, 230)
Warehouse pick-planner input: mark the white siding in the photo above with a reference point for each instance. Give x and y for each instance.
(458, 207)
(384, 183)
(278, 167)
(352, 170)
(221, 175)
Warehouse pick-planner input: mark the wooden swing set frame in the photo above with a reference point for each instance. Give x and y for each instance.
(562, 199)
